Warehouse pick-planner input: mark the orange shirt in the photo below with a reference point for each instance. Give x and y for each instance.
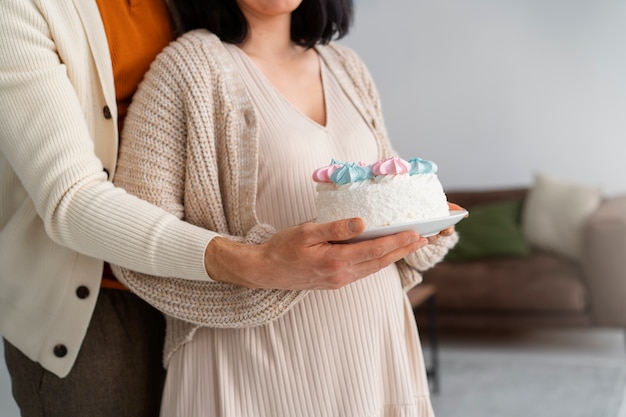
(136, 30)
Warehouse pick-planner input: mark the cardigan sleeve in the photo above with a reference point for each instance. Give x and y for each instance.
(160, 139)
(51, 127)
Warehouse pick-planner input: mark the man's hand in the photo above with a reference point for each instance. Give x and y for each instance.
(308, 256)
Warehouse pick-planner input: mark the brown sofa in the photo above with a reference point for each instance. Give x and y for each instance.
(541, 288)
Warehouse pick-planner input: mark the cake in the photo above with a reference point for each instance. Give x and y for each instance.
(386, 193)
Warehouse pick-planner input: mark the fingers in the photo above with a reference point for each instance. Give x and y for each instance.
(450, 230)
(447, 231)
(454, 206)
(386, 249)
(373, 255)
(370, 255)
(380, 247)
(336, 264)
(336, 231)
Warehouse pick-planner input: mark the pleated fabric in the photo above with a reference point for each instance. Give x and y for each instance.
(349, 352)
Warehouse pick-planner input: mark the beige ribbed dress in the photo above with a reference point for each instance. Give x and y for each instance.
(352, 352)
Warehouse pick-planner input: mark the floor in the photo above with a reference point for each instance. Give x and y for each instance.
(590, 344)
(556, 348)
(622, 410)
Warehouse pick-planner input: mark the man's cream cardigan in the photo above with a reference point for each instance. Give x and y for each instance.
(59, 213)
(190, 145)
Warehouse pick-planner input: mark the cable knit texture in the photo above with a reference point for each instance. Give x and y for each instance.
(193, 119)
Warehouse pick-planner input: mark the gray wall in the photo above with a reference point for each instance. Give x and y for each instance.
(496, 90)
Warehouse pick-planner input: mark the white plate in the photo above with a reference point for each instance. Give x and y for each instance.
(423, 227)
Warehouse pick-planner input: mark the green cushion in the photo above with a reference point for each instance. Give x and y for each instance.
(490, 230)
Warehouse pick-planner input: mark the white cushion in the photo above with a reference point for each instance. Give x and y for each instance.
(555, 213)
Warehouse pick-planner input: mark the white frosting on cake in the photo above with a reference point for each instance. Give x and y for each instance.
(382, 200)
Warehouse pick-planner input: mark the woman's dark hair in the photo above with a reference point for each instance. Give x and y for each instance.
(313, 22)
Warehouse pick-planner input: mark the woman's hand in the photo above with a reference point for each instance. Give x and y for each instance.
(449, 231)
(308, 256)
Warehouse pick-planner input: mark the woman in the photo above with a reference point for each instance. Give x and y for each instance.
(77, 343)
(225, 132)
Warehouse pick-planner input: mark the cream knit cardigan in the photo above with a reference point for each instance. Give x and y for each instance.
(190, 145)
(60, 215)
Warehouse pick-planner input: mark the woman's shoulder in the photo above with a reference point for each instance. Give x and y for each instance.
(196, 50)
(190, 44)
(197, 37)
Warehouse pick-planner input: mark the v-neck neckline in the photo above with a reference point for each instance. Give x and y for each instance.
(259, 73)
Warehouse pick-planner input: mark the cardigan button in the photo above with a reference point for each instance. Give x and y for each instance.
(107, 112)
(60, 351)
(82, 292)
